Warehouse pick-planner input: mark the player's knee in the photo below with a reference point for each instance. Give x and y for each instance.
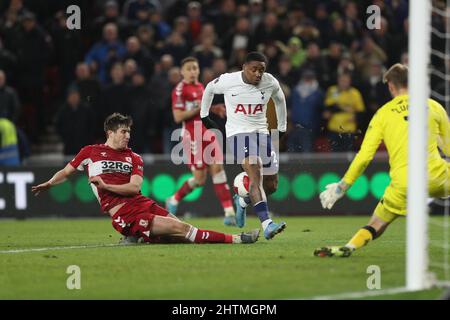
(272, 186)
(200, 182)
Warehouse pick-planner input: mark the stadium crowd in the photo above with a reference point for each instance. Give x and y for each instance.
(126, 57)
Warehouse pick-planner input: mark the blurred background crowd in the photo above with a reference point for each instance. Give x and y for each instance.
(57, 85)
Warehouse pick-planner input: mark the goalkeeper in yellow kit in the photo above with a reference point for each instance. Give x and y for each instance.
(390, 124)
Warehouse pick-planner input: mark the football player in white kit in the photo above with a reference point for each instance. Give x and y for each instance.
(246, 94)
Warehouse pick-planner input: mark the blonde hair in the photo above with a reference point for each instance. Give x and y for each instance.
(397, 75)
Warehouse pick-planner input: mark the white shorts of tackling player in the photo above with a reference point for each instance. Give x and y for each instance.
(244, 145)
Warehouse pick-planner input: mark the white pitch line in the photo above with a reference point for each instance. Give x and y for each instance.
(60, 248)
(360, 294)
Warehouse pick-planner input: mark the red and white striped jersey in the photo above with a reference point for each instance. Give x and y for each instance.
(113, 166)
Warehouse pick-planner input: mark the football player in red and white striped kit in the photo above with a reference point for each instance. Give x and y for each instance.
(116, 175)
(186, 98)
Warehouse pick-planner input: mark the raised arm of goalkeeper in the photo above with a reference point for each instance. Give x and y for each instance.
(372, 140)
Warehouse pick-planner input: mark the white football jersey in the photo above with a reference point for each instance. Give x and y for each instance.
(246, 104)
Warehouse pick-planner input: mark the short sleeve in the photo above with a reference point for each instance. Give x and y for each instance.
(218, 85)
(138, 165)
(177, 98)
(82, 158)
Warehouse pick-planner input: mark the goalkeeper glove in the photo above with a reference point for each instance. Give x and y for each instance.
(333, 193)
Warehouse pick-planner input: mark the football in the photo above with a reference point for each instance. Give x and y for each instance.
(241, 184)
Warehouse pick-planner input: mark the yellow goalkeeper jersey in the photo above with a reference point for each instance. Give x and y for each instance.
(390, 124)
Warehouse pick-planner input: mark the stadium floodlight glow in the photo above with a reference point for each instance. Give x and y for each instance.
(283, 188)
(83, 190)
(146, 188)
(359, 189)
(379, 183)
(327, 178)
(61, 192)
(304, 187)
(163, 186)
(418, 89)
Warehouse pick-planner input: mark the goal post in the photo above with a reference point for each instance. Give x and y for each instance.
(418, 90)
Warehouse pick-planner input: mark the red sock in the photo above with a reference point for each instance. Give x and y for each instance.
(223, 193)
(183, 191)
(208, 236)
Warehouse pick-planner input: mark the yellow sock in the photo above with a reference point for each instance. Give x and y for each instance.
(360, 239)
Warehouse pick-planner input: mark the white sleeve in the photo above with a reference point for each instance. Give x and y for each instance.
(208, 95)
(280, 106)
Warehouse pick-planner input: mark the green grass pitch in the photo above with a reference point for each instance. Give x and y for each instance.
(282, 268)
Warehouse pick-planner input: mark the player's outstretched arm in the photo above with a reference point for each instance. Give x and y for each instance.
(57, 178)
(333, 192)
(131, 188)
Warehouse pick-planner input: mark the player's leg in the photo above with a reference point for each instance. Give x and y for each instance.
(222, 191)
(169, 227)
(198, 180)
(382, 217)
(270, 183)
(253, 167)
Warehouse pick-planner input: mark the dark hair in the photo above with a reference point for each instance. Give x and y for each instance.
(116, 120)
(255, 56)
(397, 75)
(188, 59)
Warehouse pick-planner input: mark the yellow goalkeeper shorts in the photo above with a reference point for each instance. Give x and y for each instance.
(393, 203)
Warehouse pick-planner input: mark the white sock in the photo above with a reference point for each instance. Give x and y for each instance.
(229, 212)
(192, 233)
(265, 223)
(236, 238)
(173, 200)
(242, 202)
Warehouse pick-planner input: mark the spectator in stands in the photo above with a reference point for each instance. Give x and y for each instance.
(316, 62)
(9, 101)
(111, 14)
(174, 77)
(133, 8)
(68, 48)
(374, 91)
(139, 106)
(238, 37)
(338, 32)
(89, 87)
(10, 22)
(332, 58)
(226, 17)
(8, 61)
(305, 113)
(294, 50)
(114, 96)
(369, 51)
(75, 123)
(268, 31)
(206, 52)
(33, 47)
(194, 14)
(130, 67)
(161, 27)
(9, 149)
(105, 53)
(181, 25)
(286, 75)
(176, 46)
(256, 15)
(146, 36)
(342, 103)
(139, 54)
